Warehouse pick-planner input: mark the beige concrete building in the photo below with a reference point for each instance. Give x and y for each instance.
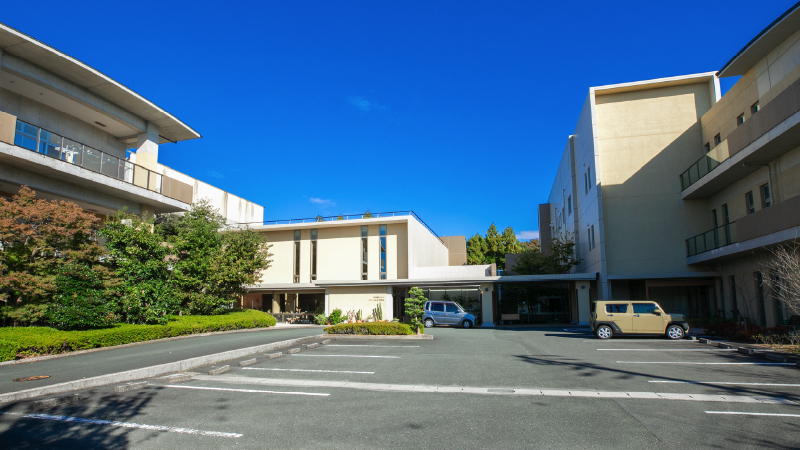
(674, 193)
(66, 131)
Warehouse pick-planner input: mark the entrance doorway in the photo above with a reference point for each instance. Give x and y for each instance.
(536, 302)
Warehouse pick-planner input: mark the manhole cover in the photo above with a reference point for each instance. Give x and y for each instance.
(37, 377)
(500, 391)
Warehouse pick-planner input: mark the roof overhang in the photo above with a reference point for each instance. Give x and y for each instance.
(663, 275)
(654, 84)
(14, 42)
(766, 41)
(441, 281)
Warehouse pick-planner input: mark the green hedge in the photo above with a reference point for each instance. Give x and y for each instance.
(8, 350)
(31, 341)
(387, 328)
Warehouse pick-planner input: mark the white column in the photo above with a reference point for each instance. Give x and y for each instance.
(388, 310)
(327, 304)
(487, 289)
(582, 288)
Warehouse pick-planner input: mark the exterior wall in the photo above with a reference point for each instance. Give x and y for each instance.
(425, 249)
(282, 246)
(646, 137)
(457, 249)
(429, 273)
(721, 118)
(60, 123)
(588, 205)
(779, 67)
(367, 298)
(744, 297)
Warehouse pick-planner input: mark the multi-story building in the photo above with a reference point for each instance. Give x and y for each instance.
(66, 130)
(674, 193)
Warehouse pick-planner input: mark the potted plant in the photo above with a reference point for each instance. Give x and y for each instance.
(359, 316)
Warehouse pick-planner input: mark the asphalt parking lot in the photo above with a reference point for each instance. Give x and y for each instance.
(502, 388)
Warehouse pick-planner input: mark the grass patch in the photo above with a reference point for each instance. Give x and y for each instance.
(371, 328)
(33, 341)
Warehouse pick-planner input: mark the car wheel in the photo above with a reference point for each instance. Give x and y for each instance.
(428, 323)
(466, 324)
(604, 332)
(675, 332)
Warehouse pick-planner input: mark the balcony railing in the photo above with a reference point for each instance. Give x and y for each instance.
(712, 239)
(370, 215)
(58, 147)
(705, 165)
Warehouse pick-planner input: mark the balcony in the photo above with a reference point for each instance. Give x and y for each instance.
(766, 135)
(712, 239)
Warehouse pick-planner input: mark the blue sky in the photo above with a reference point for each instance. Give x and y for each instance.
(458, 110)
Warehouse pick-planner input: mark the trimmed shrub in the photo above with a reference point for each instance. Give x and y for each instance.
(43, 340)
(370, 328)
(336, 317)
(79, 302)
(8, 350)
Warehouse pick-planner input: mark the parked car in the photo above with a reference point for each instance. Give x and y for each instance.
(622, 317)
(446, 313)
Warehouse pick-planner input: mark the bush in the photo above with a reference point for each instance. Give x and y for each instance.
(44, 340)
(79, 302)
(8, 350)
(370, 328)
(336, 317)
(736, 332)
(320, 319)
(23, 315)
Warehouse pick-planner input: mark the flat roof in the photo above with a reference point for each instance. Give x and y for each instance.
(19, 44)
(653, 84)
(767, 40)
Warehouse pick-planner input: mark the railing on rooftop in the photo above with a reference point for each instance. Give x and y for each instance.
(712, 239)
(367, 215)
(50, 144)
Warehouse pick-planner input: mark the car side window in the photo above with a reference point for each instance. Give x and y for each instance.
(437, 307)
(617, 308)
(644, 308)
(451, 308)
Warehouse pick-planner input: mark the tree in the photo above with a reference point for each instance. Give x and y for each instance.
(147, 291)
(80, 301)
(492, 248)
(37, 238)
(784, 279)
(212, 265)
(475, 250)
(415, 305)
(561, 259)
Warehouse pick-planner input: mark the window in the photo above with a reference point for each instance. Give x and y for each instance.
(569, 204)
(591, 237)
(717, 140)
(755, 108)
(714, 218)
(383, 252)
(707, 147)
(644, 308)
(725, 217)
(296, 278)
(437, 307)
(450, 308)
(589, 178)
(26, 136)
(766, 198)
(585, 183)
(748, 203)
(313, 254)
(740, 119)
(620, 308)
(364, 259)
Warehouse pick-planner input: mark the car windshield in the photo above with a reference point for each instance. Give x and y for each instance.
(459, 306)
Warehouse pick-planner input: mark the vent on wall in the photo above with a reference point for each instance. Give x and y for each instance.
(101, 124)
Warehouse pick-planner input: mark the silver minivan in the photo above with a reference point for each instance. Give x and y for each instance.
(446, 313)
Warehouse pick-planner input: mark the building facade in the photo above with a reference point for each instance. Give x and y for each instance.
(67, 130)
(675, 193)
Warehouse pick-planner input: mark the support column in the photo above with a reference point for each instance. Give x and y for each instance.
(388, 310)
(327, 303)
(147, 147)
(276, 305)
(584, 307)
(487, 305)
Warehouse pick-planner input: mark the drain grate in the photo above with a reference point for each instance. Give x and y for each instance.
(37, 377)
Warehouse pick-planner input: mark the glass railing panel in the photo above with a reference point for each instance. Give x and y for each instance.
(702, 167)
(26, 136)
(685, 180)
(693, 177)
(109, 165)
(732, 233)
(712, 239)
(91, 159)
(72, 152)
(127, 171)
(708, 239)
(50, 144)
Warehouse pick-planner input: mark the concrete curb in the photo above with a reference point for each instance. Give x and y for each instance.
(756, 352)
(130, 386)
(51, 402)
(219, 370)
(414, 337)
(247, 362)
(152, 371)
(153, 341)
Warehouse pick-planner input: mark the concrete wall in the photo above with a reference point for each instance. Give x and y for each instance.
(60, 123)
(446, 272)
(425, 249)
(646, 139)
(366, 298)
(457, 249)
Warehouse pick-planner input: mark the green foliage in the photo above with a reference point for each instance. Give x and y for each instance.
(368, 215)
(415, 307)
(23, 315)
(378, 312)
(43, 340)
(320, 319)
(212, 265)
(140, 260)
(8, 350)
(336, 317)
(79, 303)
(492, 248)
(359, 315)
(370, 328)
(559, 259)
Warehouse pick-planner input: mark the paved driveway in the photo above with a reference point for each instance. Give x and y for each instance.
(523, 388)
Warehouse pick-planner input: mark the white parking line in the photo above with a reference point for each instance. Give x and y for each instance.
(370, 345)
(627, 341)
(306, 370)
(752, 413)
(709, 363)
(114, 423)
(726, 383)
(204, 388)
(667, 349)
(347, 356)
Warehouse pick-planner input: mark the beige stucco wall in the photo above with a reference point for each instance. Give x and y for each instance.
(721, 118)
(365, 298)
(646, 139)
(425, 249)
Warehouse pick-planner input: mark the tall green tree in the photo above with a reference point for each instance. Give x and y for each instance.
(560, 259)
(493, 247)
(415, 304)
(475, 250)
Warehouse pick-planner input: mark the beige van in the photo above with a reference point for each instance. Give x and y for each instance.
(623, 317)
